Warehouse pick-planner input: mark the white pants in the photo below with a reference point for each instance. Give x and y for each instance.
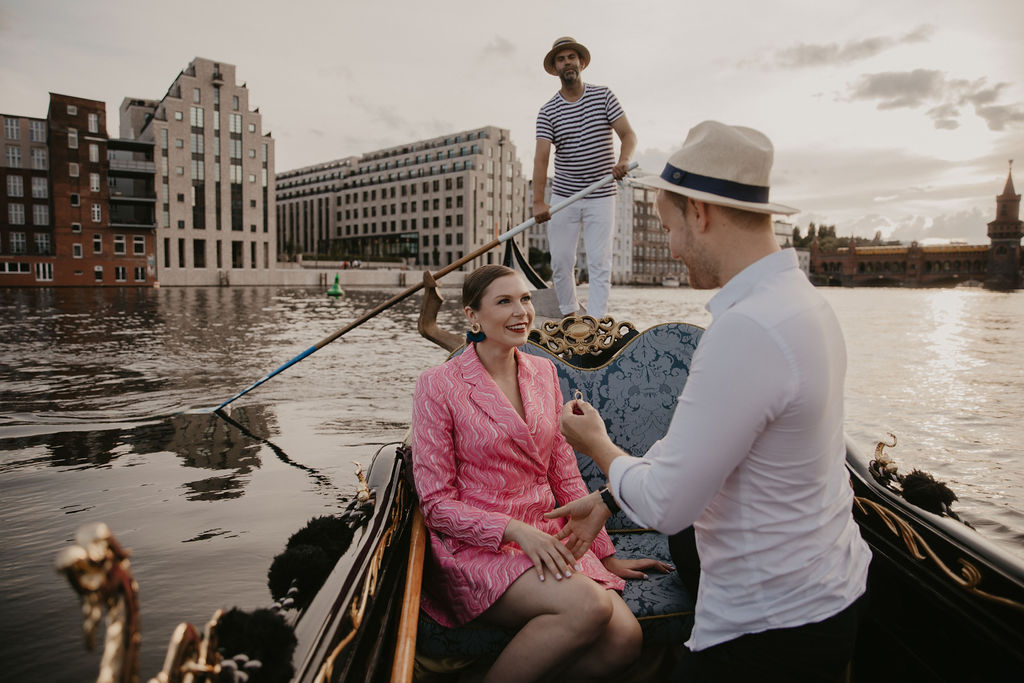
(596, 217)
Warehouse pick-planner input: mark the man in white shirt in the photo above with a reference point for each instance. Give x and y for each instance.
(754, 456)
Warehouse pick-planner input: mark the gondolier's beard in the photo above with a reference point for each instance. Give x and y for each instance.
(569, 75)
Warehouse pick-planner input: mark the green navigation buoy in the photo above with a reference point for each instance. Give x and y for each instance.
(335, 290)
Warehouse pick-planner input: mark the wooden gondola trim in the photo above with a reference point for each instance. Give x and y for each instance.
(405, 649)
(358, 608)
(970, 575)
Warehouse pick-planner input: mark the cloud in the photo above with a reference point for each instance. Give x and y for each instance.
(806, 55)
(912, 89)
(969, 225)
(499, 47)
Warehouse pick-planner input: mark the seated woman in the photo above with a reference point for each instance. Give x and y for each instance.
(489, 461)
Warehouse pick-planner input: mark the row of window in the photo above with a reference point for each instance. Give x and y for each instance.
(37, 154)
(199, 253)
(44, 271)
(36, 130)
(17, 244)
(40, 214)
(16, 187)
(197, 96)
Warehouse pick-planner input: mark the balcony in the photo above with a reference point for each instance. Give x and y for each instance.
(218, 77)
(132, 166)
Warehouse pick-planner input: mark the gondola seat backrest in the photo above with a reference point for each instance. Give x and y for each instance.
(635, 388)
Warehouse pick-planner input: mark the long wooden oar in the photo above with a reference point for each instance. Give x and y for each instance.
(504, 237)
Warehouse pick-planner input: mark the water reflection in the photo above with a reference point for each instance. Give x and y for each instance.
(95, 425)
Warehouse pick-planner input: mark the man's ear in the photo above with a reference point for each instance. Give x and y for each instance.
(699, 211)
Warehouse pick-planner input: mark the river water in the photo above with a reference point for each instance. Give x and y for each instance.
(99, 388)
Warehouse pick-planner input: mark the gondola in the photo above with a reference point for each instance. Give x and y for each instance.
(945, 604)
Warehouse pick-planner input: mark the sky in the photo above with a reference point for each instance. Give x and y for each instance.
(898, 116)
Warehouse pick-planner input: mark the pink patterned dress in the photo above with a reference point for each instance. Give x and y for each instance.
(477, 465)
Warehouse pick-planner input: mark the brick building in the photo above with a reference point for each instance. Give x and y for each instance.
(76, 214)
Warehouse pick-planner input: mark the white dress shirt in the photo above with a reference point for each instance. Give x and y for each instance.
(754, 459)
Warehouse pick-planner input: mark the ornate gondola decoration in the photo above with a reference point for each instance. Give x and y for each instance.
(98, 569)
(581, 336)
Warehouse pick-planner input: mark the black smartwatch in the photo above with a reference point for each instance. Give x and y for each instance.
(609, 499)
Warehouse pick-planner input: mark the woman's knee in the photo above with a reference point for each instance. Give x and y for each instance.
(592, 610)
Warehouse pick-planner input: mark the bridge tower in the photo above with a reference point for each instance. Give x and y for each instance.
(1005, 232)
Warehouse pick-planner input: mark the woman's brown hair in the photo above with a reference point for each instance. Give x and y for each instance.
(477, 282)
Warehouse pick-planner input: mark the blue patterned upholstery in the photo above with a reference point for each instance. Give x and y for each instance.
(636, 393)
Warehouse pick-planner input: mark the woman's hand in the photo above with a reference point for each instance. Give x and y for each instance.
(544, 550)
(632, 569)
(586, 518)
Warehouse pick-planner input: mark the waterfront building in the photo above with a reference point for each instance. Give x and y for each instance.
(1005, 263)
(81, 212)
(26, 212)
(784, 238)
(652, 260)
(214, 178)
(425, 203)
(307, 199)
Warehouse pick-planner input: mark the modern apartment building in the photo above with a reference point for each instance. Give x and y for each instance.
(426, 203)
(214, 178)
(26, 223)
(306, 201)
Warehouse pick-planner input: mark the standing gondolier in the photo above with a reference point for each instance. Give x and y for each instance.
(579, 121)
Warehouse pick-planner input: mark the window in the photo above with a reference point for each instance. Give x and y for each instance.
(178, 116)
(120, 274)
(72, 138)
(38, 155)
(37, 131)
(13, 156)
(76, 227)
(252, 127)
(76, 250)
(252, 154)
(97, 243)
(94, 123)
(197, 143)
(72, 110)
(17, 243)
(16, 186)
(43, 243)
(44, 272)
(179, 170)
(235, 123)
(179, 143)
(40, 214)
(199, 253)
(97, 213)
(140, 273)
(94, 153)
(73, 170)
(94, 182)
(11, 129)
(16, 214)
(234, 104)
(75, 199)
(40, 190)
(196, 94)
(252, 177)
(163, 138)
(139, 245)
(98, 273)
(120, 245)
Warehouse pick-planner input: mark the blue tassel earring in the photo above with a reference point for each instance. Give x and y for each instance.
(475, 334)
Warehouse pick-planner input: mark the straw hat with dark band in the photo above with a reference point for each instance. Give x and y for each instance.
(720, 164)
(565, 43)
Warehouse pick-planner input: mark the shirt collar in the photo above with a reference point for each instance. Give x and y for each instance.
(740, 285)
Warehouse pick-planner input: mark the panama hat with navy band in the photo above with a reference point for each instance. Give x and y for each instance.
(565, 43)
(720, 164)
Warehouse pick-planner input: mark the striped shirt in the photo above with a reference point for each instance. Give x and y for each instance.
(581, 132)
